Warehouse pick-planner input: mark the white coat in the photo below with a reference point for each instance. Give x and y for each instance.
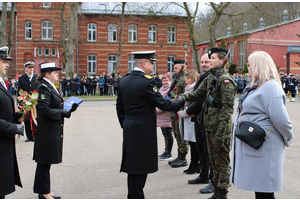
(262, 170)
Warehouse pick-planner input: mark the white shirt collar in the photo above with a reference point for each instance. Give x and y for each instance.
(51, 84)
(138, 69)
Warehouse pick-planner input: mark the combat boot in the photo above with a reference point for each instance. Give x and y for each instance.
(181, 162)
(222, 193)
(175, 160)
(216, 192)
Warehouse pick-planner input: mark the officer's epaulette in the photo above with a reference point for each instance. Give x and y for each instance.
(44, 85)
(148, 76)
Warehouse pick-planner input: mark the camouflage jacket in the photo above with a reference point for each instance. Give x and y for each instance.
(179, 83)
(216, 118)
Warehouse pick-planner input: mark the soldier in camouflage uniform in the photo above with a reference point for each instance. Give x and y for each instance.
(217, 119)
(177, 88)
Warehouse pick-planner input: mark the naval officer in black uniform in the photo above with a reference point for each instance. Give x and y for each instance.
(27, 82)
(9, 171)
(49, 136)
(137, 98)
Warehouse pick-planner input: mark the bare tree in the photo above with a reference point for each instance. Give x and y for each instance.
(11, 27)
(3, 25)
(191, 29)
(115, 67)
(68, 39)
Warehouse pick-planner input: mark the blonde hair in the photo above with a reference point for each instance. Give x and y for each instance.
(262, 68)
(194, 75)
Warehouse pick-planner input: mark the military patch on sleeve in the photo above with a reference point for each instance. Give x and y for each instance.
(226, 81)
(43, 96)
(44, 85)
(155, 89)
(148, 76)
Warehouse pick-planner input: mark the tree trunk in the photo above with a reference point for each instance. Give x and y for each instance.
(115, 68)
(191, 25)
(11, 27)
(3, 25)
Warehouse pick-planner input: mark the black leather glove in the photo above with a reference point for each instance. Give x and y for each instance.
(66, 113)
(74, 107)
(20, 129)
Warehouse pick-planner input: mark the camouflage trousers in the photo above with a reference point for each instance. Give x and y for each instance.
(182, 145)
(219, 160)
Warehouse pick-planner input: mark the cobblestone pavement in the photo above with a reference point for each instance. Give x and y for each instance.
(92, 155)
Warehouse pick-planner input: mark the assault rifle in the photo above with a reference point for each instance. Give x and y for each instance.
(209, 99)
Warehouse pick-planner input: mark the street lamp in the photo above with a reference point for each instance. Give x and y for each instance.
(185, 46)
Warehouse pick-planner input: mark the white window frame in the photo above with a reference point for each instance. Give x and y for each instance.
(170, 64)
(231, 53)
(132, 33)
(28, 28)
(53, 51)
(242, 53)
(91, 64)
(63, 68)
(154, 67)
(171, 34)
(46, 4)
(45, 51)
(48, 30)
(40, 51)
(131, 63)
(112, 33)
(92, 31)
(152, 34)
(112, 60)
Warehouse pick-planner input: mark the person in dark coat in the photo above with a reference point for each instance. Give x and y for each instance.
(9, 171)
(68, 85)
(137, 98)
(49, 136)
(27, 82)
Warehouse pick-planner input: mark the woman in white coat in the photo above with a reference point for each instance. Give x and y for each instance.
(262, 102)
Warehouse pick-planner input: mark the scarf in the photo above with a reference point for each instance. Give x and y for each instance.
(246, 91)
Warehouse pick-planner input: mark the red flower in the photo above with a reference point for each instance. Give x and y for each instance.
(175, 89)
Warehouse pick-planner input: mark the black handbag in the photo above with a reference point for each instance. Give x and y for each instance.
(252, 134)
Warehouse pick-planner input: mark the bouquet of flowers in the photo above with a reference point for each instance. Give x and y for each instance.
(27, 103)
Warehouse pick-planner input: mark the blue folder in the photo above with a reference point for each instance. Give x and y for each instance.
(68, 103)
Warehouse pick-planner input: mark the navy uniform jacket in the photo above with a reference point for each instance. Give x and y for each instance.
(137, 98)
(49, 136)
(25, 84)
(9, 172)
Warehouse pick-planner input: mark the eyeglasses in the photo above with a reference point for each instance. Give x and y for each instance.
(150, 61)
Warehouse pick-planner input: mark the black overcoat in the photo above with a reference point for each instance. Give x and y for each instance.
(137, 98)
(9, 171)
(25, 84)
(49, 136)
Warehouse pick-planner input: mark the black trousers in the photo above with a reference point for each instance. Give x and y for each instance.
(262, 195)
(42, 179)
(201, 144)
(136, 184)
(28, 129)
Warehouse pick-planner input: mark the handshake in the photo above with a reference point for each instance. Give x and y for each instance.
(67, 113)
(177, 103)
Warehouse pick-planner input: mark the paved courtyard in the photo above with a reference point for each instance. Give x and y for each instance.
(92, 154)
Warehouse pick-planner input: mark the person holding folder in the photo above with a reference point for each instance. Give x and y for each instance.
(49, 136)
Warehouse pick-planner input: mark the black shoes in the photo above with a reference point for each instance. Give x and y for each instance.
(198, 180)
(40, 196)
(208, 189)
(179, 163)
(193, 168)
(165, 156)
(29, 140)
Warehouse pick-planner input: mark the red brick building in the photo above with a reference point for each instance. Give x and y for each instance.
(279, 40)
(38, 37)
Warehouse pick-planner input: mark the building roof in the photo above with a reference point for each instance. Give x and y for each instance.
(133, 8)
(253, 30)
